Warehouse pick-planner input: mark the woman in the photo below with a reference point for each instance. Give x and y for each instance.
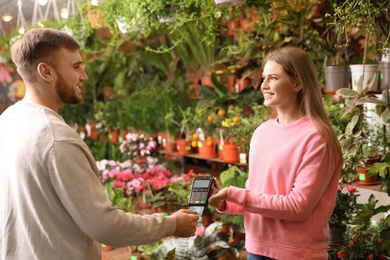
(294, 166)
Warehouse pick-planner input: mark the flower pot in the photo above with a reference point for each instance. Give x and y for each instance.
(336, 77)
(92, 131)
(170, 147)
(385, 75)
(140, 160)
(242, 84)
(336, 235)
(183, 146)
(364, 179)
(220, 144)
(230, 153)
(233, 27)
(207, 151)
(113, 136)
(195, 93)
(206, 80)
(246, 25)
(162, 139)
(230, 83)
(237, 236)
(369, 70)
(107, 248)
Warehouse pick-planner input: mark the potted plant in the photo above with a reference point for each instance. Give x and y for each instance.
(252, 116)
(360, 17)
(204, 53)
(352, 141)
(173, 196)
(137, 146)
(210, 245)
(229, 124)
(234, 176)
(367, 239)
(344, 212)
(336, 69)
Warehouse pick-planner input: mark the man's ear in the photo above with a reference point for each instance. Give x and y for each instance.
(46, 72)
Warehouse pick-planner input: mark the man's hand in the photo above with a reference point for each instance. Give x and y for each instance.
(186, 221)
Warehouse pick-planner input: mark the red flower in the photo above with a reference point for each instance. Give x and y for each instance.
(248, 111)
(349, 245)
(352, 189)
(371, 257)
(354, 239)
(341, 254)
(380, 240)
(119, 184)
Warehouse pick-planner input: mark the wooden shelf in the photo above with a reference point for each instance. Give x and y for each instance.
(376, 187)
(193, 161)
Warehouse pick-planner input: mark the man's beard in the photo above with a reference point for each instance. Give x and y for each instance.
(66, 92)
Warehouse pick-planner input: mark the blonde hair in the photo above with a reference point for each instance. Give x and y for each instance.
(299, 66)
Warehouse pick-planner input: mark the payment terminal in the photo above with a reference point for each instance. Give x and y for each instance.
(200, 193)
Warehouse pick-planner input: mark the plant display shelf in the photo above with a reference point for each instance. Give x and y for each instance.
(210, 165)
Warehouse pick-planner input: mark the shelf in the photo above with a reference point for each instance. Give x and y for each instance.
(214, 166)
(376, 187)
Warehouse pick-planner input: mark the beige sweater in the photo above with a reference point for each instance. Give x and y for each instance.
(52, 205)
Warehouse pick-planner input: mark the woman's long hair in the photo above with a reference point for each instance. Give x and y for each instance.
(299, 66)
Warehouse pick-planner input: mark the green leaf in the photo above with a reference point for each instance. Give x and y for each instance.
(347, 93)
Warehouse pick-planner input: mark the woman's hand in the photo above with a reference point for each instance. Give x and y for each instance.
(218, 198)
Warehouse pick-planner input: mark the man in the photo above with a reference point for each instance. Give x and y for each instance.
(51, 201)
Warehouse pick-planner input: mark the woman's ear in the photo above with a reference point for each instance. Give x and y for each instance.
(46, 72)
(297, 87)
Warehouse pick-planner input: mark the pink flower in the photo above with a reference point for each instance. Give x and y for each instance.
(339, 187)
(113, 172)
(352, 189)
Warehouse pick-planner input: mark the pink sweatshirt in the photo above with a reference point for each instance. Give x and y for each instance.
(290, 193)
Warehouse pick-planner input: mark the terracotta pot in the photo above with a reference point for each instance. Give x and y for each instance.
(238, 236)
(206, 80)
(231, 153)
(183, 146)
(242, 84)
(207, 151)
(246, 25)
(140, 160)
(364, 179)
(170, 147)
(113, 136)
(92, 131)
(233, 27)
(207, 218)
(141, 204)
(162, 139)
(230, 83)
(107, 248)
(195, 93)
(220, 144)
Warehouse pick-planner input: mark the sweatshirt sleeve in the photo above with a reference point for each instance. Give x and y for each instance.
(75, 179)
(312, 178)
